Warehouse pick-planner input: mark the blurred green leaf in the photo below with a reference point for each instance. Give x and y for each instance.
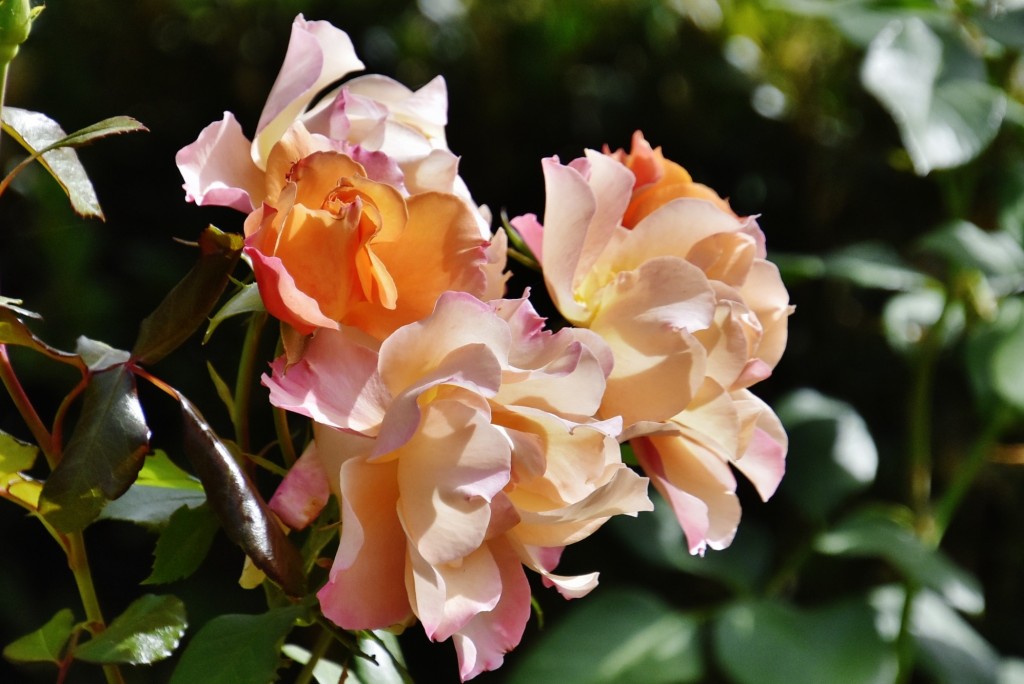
(964, 244)
(943, 121)
(148, 631)
(246, 300)
(873, 265)
(234, 649)
(861, 20)
(186, 306)
(43, 137)
(831, 453)
(888, 534)
(616, 635)
(949, 649)
(183, 545)
(657, 538)
(104, 455)
(995, 356)
(1007, 27)
(46, 644)
(238, 505)
(766, 642)
(909, 315)
(15, 455)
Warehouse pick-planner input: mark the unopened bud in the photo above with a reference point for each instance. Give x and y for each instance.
(15, 23)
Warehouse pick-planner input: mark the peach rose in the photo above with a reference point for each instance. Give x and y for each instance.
(338, 247)
(680, 289)
(461, 449)
(396, 133)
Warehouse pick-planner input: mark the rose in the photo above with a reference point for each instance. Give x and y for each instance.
(338, 247)
(460, 449)
(373, 118)
(679, 287)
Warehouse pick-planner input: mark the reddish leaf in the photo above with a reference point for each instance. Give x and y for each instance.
(103, 456)
(238, 505)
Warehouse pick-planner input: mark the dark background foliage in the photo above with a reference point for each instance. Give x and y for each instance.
(764, 106)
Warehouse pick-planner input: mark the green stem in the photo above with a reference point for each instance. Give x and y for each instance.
(243, 383)
(284, 437)
(968, 471)
(78, 561)
(25, 407)
(323, 642)
(905, 640)
(919, 428)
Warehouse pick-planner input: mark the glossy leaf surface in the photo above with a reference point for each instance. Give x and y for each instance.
(241, 510)
(104, 454)
(148, 631)
(186, 306)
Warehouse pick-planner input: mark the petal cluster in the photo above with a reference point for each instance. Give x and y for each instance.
(462, 449)
(680, 288)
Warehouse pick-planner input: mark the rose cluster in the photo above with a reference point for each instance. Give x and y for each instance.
(464, 442)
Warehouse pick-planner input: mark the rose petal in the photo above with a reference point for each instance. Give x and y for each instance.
(218, 169)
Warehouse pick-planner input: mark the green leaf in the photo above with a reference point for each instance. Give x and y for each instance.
(46, 644)
(621, 635)
(873, 265)
(148, 631)
(246, 300)
(239, 507)
(14, 331)
(183, 545)
(45, 139)
(237, 649)
(160, 490)
(908, 316)
(1007, 27)
(831, 453)
(15, 455)
(995, 356)
(103, 456)
(325, 671)
(186, 306)
(948, 647)
(657, 538)
(766, 642)
(889, 535)
(944, 120)
(384, 648)
(961, 243)
(100, 356)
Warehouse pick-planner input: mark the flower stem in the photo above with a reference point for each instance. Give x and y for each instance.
(25, 407)
(968, 471)
(78, 561)
(323, 642)
(243, 383)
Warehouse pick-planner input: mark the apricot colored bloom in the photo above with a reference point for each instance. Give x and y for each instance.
(384, 125)
(694, 315)
(460, 449)
(338, 247)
